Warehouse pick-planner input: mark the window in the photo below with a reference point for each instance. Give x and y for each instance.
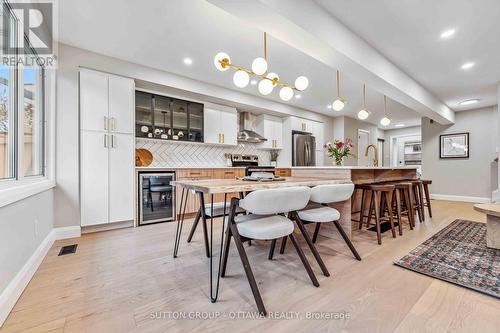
(22, 111)
(8, 93)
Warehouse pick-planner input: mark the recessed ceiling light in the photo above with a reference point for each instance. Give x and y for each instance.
(399, 125)
(447, 33)
(469, 101)
(329, 106)
(298, 96)
(253, 82)
(468, 65)
(188, 61)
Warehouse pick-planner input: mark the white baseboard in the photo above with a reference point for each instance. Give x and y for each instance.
(10, 295)
(460, 198)
(67, 232)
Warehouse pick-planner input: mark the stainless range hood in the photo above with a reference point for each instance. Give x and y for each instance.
(246, 132)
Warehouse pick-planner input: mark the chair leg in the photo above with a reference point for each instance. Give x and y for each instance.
(194, 226)
(421, 198)
(304, 260)
(362, 209)
(428, 199)
(311, 245)
(248, 269)
(347, 240)
(316, 231)
(388, 199)
(374, 195)
(271, 249)
(225, 254)
(398, 211)
(377, 217)
(283, 245)
(407, 201)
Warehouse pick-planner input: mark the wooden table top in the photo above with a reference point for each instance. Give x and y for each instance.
(212, 186)
(490, 209)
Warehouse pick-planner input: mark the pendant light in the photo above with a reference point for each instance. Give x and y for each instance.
(267, 82)
(385, 121)
(363, 113)
(339, 103)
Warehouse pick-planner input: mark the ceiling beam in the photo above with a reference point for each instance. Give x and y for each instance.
(309, 28)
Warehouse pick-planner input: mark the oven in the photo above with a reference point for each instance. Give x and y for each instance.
(156, 197)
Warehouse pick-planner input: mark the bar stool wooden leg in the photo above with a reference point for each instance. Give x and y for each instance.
(362, 209)
(428, 199)
(408, 205)
(316, 231)
(398, 211)
(376, 207)
(421, 197)
(372, 199)
(388, 200)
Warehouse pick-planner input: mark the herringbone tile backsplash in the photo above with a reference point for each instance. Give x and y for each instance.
(180, 154)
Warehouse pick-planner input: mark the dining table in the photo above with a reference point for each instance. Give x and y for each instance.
(212, 187)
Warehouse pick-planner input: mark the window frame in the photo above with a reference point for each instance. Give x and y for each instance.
(19, 186)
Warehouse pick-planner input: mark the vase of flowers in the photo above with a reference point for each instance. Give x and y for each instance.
(339, 150)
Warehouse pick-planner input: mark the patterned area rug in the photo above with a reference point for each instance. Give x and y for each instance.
(458, 254)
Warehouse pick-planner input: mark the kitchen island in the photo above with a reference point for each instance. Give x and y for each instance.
(357, 175)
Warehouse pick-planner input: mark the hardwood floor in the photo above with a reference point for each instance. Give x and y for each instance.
(119, 281)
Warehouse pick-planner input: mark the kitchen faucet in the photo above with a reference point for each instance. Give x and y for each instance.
(375, 152)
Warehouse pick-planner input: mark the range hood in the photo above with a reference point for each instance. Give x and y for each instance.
(246, 132)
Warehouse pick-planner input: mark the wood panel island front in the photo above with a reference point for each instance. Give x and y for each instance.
(357, 175)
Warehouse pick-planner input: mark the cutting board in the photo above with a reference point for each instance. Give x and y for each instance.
(143, 157)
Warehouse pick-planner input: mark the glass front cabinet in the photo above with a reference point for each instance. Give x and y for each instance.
(167, 118)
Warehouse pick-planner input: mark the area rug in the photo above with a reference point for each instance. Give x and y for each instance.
(458, 254)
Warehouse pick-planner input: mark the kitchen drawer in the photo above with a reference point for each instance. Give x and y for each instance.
(283, 172)
(194, 173)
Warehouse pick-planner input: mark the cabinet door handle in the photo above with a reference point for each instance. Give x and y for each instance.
(219, 138)
(105, 123)
(113, 123)
(223, 138)
(112, 141)
(105, 141)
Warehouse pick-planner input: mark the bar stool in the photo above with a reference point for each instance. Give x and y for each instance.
(265, 223)
(427, 202)
(385, 192)
(402, 204)
(417, 193)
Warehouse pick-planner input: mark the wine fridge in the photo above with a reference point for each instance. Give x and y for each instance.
(156, 197)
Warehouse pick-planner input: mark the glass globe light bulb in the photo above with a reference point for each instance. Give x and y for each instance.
(221, 56)
(286, 93)
(301, 83)
(259, 66)
(363, 114)
(241, 79)
(385, 121)
(338, 104)
(265, 87)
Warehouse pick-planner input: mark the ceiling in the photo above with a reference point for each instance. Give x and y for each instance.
(161, 34)
(411, 40)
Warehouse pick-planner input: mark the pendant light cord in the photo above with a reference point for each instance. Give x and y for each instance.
(364, 96)
(385, 106)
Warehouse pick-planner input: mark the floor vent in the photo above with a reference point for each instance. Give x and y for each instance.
(68, 249)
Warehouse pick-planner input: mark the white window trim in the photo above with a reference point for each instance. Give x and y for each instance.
(12, 190)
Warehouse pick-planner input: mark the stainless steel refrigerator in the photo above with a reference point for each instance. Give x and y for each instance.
(303, 149)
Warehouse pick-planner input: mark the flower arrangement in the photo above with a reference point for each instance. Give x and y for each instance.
(339, 150)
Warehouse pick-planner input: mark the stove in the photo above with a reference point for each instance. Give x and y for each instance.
(239, 160)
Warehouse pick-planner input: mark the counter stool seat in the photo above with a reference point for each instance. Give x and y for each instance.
(321, 214)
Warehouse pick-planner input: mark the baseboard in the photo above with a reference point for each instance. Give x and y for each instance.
(67, 232)
(460, 198)
(11, 294)
(15, 288)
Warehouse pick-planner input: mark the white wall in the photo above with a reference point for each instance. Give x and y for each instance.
(70, 58)
(471, 178)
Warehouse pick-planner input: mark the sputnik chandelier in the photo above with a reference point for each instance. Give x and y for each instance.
(268, 81)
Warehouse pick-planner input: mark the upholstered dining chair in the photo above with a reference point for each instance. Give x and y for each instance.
(265, 221)
(324, 195)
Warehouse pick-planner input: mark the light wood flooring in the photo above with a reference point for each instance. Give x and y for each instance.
(119, 280)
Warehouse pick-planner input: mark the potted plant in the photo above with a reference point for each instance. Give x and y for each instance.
(339, 150)
(274, 157)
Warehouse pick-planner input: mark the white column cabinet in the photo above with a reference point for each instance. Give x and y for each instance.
(107, 148)
(220, 126)
(271, 128)
(302, 125)
(121, 120)
(121, 182)
(94, 177)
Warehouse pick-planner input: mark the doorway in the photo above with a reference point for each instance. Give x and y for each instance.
(363, 142)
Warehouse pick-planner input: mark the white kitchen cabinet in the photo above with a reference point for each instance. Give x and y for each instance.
(94, 177)
(93, 101)
(121, 177)
(302, 125)
(107, 148)
(121, 104)
(318, 131)
(271, 128)
(320, 158)
(220, 126)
